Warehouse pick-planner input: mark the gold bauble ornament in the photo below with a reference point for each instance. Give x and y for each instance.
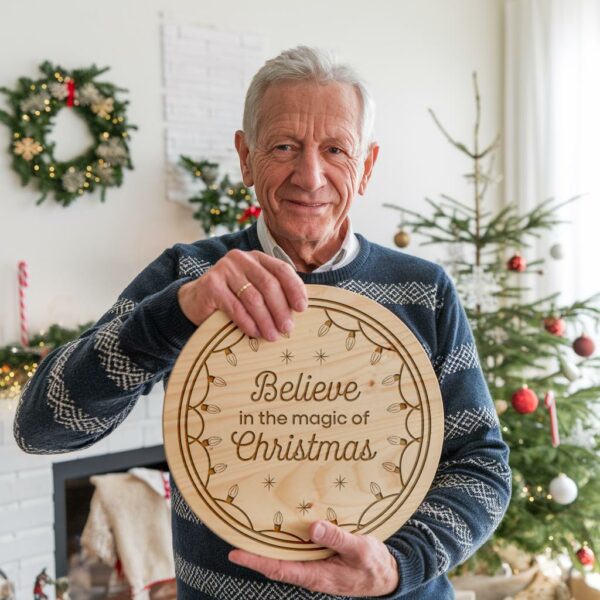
(402, 239)
(501, 406)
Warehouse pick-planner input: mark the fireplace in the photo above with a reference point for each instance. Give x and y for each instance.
(28, 514)
(73, 493)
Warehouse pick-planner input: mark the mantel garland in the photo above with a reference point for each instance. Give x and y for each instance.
(19, 363)
(34, 105)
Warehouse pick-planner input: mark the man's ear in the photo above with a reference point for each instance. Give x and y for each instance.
(370, 159)
(244, 153)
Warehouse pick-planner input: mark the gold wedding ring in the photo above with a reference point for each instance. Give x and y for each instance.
(243, 289)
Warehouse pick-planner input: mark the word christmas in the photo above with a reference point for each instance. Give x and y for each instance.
(250, 446)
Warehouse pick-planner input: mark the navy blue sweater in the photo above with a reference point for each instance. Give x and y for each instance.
(83, 391)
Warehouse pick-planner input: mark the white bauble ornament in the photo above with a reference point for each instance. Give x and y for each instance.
(563, 489)
(569, 370)
(501, 406)
(557, 251)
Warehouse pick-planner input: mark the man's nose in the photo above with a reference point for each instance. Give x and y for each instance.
(309, 170)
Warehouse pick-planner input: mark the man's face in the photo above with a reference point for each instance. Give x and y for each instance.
(306, 167)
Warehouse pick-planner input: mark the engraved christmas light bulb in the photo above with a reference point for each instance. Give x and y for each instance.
(212, 409)
(332, 516)
(211, 441)
(391, 379)
(218, 468)
(396, 407)
(253, 342)
(376, 356)
(391, 467)
(324, 329)
(216, 380)
(277, 521)
(230, 357)
(232, 493)
(376, 491)
(396, 440)
(350, 340)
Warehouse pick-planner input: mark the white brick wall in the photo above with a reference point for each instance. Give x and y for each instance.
(206, 72)
(26, 491)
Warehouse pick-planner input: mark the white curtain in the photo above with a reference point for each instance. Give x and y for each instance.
(552, 131)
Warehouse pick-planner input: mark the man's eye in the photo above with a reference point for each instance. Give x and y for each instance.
(283, 147)
(335, 150)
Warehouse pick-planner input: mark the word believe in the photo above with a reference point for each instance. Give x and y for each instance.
(302, 390)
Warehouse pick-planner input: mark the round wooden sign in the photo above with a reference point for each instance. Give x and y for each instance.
(340, 420)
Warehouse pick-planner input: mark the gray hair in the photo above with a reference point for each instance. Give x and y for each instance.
(306, 64)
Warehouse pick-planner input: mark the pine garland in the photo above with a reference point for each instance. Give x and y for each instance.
(230, 204)
(18, 364)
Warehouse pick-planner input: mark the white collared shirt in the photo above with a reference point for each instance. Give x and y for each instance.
(346, 254)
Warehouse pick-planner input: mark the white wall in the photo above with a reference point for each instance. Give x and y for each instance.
(415, 55)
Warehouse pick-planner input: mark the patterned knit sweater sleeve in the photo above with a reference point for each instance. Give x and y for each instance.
(84, 389)
(471, 489)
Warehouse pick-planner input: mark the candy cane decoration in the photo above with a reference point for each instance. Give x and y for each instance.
(550, 403)
(23, 283)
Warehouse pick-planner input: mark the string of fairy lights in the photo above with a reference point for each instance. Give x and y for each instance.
(20, 360)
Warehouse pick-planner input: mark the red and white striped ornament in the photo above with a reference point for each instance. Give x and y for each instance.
(23, 277)
(550, 403)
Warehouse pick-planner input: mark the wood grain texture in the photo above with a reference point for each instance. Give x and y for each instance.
(341, 420)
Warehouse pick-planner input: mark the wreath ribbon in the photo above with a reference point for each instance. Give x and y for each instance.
(70, 92)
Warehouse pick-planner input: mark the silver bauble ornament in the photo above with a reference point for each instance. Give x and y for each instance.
(557, 251)
(569, 370)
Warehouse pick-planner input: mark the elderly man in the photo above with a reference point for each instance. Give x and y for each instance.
(307, 149)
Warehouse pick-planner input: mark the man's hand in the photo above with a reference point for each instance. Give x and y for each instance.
(363, 566)
(261, 309)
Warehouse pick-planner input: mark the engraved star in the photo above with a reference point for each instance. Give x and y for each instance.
(268, 482)
(321, 356)
(286, 356)
(304, 507)
(340, 482)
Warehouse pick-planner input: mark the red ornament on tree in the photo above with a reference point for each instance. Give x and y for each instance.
(584, 346)
(524, 401)
(251, 211)
(555, 325)
(516, 263)
(586, 556)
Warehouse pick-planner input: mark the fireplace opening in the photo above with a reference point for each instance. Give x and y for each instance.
(73, 494)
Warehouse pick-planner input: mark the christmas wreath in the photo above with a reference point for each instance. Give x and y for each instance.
(35, 104)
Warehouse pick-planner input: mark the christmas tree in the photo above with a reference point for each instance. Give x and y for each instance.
(537, 358)
(232, 205)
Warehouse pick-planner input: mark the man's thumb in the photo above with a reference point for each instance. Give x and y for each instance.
(329, 535)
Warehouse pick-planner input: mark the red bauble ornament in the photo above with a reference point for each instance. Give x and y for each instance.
(586, 556)
(516, 263)
(555, 325)
(251, 211)
(524, 401)
(584, 346)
